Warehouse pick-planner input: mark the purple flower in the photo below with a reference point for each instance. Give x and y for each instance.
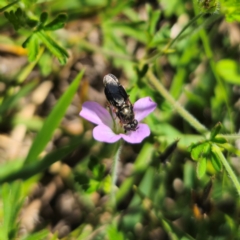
(109, 129)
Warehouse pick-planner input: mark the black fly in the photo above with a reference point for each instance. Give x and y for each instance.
(118, 98)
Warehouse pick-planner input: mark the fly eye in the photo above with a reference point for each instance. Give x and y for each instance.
(135, 122)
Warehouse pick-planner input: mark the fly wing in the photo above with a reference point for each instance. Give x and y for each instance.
(114, 96)
(122, 92)
(114, 91)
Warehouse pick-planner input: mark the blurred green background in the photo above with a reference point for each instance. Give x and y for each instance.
(182, 182)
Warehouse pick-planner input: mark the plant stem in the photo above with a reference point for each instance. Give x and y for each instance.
(184, 113)
(28, 69)
(230, 137)
(229, 170)
(115, 172)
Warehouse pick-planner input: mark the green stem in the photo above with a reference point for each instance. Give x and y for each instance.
(231, 136)
(229, 170)
(115, 172)
(184, 113)
(28, 69)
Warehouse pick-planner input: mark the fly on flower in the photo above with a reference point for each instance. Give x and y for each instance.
(121, 105)
(107, 130)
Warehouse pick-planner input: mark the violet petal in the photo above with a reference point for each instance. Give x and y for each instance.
(95, 113)
(103, 133)
(143, 107)
(137, 136)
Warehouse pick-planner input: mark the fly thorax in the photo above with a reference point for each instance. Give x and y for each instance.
(126, 114)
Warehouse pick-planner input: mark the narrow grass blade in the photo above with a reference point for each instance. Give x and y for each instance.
(53, 120)
(38, 235)
(12, 202)
(11, 101)
(32, 168)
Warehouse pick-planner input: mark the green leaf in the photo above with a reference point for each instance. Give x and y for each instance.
(229, 70)
(233, 17)
(16, 19)
(106, 184)
(8, 6)
(200, 150)
(33, 47)
(215, 130)
(45, 64)
(6, 14)
(25, 43)
(231, 10)
(136, 30)
(12, 19)
(43, 17)
(57, 23)
(93, 186)
(219, 139)
(118, 8)
(217, 164)
(38, 235)
(93, 162)
(114, 234)
(58, 51)
(201, 167)
(8, 168)
(53, 121)
(160, 38)
(19, 13)
(31, 22)
(196, 151)
(12, 202)
(143, 71)
(98, 171)
(12, 100)
(153, 19)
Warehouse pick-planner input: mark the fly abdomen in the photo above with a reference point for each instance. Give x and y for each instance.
(114, 91)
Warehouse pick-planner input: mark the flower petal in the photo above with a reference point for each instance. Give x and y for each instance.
(137, 136)
(103, 133)
(143, 107)
(95, 113)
